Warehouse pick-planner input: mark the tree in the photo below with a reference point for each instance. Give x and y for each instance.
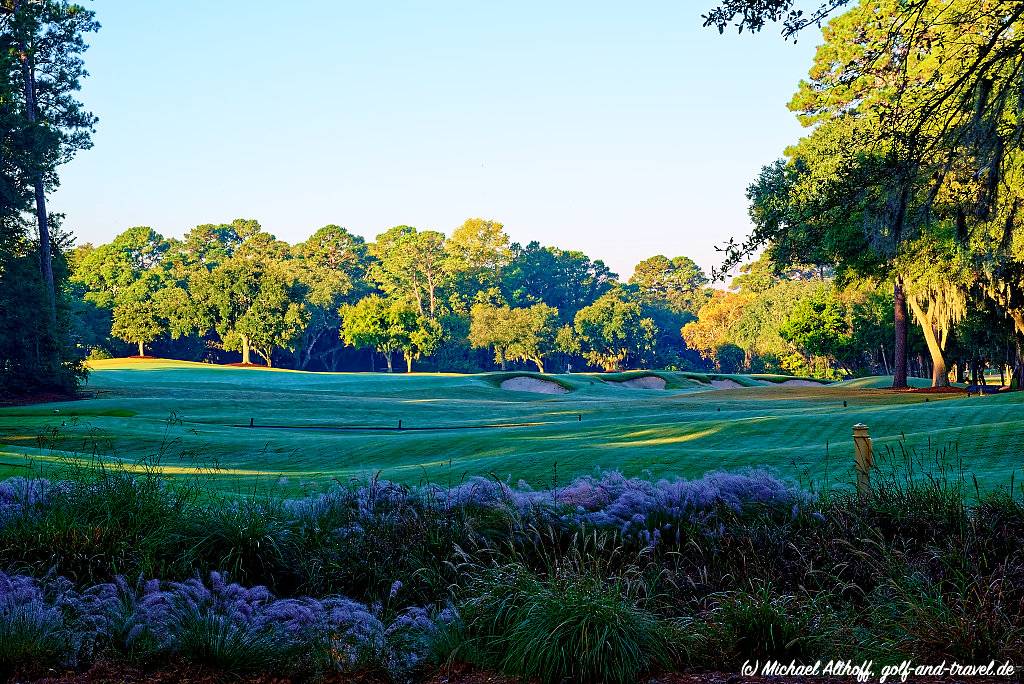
(331, 265)
(715, 322)
(536, 329)
(366, 324)
(410, 264)
(47, 38)
(676, 284)
(613, 332)
(515, 334)
(42, 126)
(251, 298)
(936, 279)
(137, 322)
(754, 314)
(210, 244)
(566, 280)
(477, 252)
(491, 327)
(388, 326)
(273, 320)
(109, 270)
(934, 92)
(818, 326)
(567, 341)
(420, 336)
(729, 358)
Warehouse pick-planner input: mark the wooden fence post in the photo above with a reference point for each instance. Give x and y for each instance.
(865, 457)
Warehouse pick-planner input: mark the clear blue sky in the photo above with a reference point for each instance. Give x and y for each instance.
(620, 129)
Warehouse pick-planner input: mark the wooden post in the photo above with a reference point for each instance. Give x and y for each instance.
(864, 458)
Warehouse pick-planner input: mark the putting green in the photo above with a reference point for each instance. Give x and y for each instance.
(183, 416)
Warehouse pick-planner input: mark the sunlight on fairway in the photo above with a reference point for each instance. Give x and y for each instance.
(193, 420)
(660, 441)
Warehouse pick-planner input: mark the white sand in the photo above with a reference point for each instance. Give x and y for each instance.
(726, 384)
(800, 383)
(525, 383)
(644, 382)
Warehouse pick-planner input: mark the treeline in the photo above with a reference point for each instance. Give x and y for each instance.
(469, 302)
(474, 300)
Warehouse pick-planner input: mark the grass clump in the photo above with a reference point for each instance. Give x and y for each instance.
(763, 623)
(567, 622)
(96, 524)
(247, 538)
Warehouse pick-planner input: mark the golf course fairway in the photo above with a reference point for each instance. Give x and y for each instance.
(308, 429)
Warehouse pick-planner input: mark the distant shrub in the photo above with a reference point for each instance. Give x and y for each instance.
(98, 354)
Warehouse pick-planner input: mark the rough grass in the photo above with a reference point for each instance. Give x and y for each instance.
(803, 432)
(556, 585)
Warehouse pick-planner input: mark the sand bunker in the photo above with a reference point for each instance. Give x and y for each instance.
(643, 382)
(726, 384)
(524, 383)
(800, 383)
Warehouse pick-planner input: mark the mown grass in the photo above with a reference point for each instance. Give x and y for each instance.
(684, 430)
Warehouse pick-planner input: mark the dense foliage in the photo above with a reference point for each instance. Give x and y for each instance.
(469, 302)
(602, 579)
(910, 173)
(42, 125)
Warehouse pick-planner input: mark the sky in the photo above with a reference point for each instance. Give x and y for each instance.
(619, 129)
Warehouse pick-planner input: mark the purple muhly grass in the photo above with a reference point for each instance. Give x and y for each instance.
(47, 621)
(26, 496)
(641, 509)
(169, 618)
(636, 507)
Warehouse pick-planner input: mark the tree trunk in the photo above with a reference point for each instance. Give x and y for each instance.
(42, 218)
(540, 365)
(45, 256)
(940, 374)
(142, 348)
(245, 350)
(502, 360)
(306, 353)
(899, 320)
(408, 362)
(387, 357)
